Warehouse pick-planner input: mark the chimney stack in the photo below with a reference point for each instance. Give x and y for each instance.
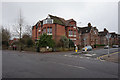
(89, 24)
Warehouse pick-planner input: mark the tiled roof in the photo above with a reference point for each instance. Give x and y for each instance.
(102, 33)
(68, 21)
(113, 34)
(58, 20)
(61, 21)
(84, 29)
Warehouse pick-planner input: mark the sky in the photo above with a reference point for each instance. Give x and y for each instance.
(100, 14)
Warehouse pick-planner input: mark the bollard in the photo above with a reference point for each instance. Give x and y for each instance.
(76, 49)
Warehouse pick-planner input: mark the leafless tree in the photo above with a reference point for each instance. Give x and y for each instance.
(21, 28)
(28, 30)
(18, 29)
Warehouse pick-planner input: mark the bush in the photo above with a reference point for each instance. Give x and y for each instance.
(45, 40)
(64, 42)
(71, 43)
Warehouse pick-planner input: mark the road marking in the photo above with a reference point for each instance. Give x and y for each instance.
(99, 58)
(81, 57)
(69, 65)
(93, 54)
(69, 56)
(75, 56)
(87, 57)
(65, 55)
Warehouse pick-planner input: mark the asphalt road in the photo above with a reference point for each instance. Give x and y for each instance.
(98, 52)
(54, 65)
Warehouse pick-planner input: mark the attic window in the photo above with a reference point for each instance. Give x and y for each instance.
(48, 21)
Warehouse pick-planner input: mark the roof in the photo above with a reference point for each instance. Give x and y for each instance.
(58, 20)
(84, 30)
(102, 33)
(68, 21)
(61, 21)
(113, 34)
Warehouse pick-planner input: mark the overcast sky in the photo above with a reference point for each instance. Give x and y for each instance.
(99, 14)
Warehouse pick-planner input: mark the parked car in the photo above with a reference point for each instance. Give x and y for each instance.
(115, 46)
(88, 48)
(106, 47)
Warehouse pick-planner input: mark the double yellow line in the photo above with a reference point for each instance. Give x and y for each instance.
(99, 58)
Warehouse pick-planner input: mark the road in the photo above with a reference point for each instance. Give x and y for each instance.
(99, 52)
(55, 65)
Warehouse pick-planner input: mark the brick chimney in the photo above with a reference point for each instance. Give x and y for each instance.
(89, 24)
(105, 30)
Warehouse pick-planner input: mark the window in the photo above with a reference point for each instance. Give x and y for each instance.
(48, 21)
(49, 31)
(70, 33)
(73, 39)
(74, 33)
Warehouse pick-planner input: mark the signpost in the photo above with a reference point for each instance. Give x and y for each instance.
(108, 37)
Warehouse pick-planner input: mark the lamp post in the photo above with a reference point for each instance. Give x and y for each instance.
(108, 37)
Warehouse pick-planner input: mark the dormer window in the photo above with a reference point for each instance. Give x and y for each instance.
(48, 21)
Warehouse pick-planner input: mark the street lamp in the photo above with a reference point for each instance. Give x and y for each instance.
(108, 37)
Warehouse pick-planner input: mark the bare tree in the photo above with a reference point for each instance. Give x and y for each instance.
(18, 29)
(28, 30)
(21, 28)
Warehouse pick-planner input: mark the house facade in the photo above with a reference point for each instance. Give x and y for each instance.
(56, 27)
(88, 35)
(102, 37)
(114, 38)
(81, 36)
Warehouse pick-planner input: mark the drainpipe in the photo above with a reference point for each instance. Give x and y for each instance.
(55, 36)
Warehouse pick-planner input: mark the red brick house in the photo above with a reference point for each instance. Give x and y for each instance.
(102, 37)
(81, 36)
(114, 38)
(56, 27)
(88, 35)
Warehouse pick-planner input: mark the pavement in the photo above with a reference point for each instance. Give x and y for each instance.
(113, 57)
(55, 65)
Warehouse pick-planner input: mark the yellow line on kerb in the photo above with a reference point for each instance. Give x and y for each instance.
(106, 55)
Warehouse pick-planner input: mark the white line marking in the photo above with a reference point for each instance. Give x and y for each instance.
(75, 56)
(65, 55)
(69, 56)
(70, 65)
(81, 57)
(87, 57)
